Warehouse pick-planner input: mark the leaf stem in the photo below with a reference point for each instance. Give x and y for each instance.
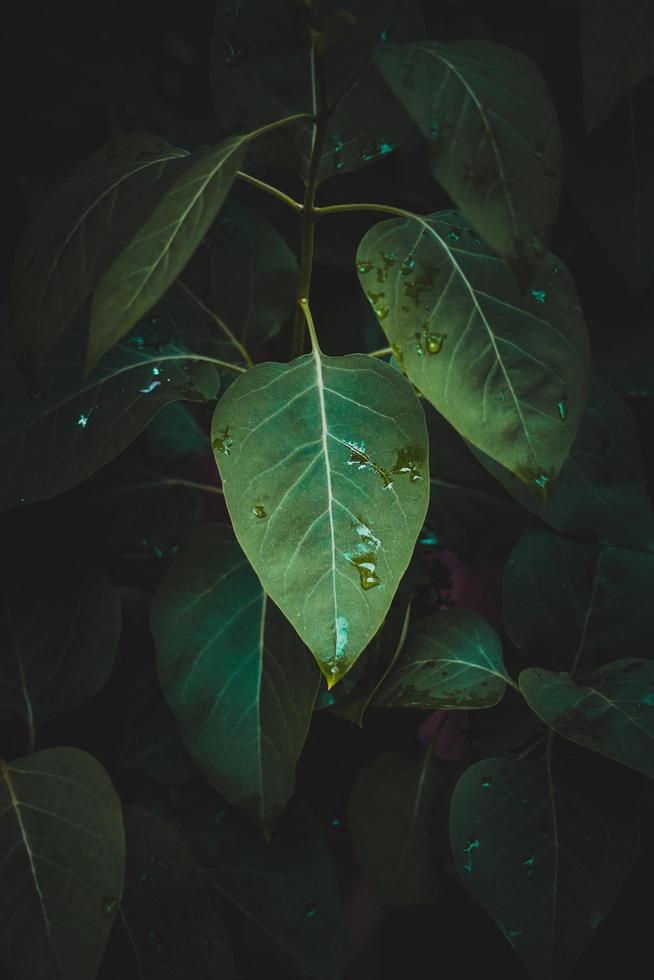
(386, 208)
(223, 326)
(382, 352)
(270, 189)
(307, 317)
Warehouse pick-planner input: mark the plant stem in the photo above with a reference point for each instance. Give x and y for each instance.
(382, 352)
(223, 326)
(387, 208)
(307, 318)
(270, 189)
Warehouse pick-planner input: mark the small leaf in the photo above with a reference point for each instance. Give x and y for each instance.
(494, 141)
(612, 714)
(323, 463)
(390, 819)
(508, 371)
(284, 891)
(80, 230)
(58, 642)
(163, 244)
(169, 925)
(569, 602)
(617, 52)
(545, 850)
(62, 838)
(451, 659)
(240, 685)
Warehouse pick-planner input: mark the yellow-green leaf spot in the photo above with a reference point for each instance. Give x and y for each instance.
(259, 511)
(223, 441)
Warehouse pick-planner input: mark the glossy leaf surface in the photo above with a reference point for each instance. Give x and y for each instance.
(241, 686)
(61, 834)
(508, 371)
(545, 850)
(494, 141)
(613, 713)
(79, 231)
(451, 659)
(324, 469)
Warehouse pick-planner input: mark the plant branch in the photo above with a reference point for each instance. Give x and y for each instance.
(270, 189)
(233, 339)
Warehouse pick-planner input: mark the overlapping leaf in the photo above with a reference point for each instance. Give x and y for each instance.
(82, 227)
(57, 644)
(451, 659)
(390, 819)
(508, 371)
(241, 686)
(617, 52)
(613, 713)
(493, 136)
(63, 844)
(545, 850)
(323, 463)
(573, 603)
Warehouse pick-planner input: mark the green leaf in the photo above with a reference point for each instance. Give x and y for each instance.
(61, 835)
(617, 52)
(274, 59)
(240, 685)
(508, 371)
(451, 659)
(285, 891)
(323, 463)
(73, 427)
(169, 925)
(569, 602)
(162, 245)
(155, 748)
(629, 367)
(58, 642)
(390, 819)
(601, 492)
(174, 434)
(612, 714)
(545, 850)
(80, 230)
(494, 139)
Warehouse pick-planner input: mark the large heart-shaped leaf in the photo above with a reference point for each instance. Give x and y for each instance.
(163, 244)
(284, 891)
(323, 463)
(63, 847)
(601, 491)
(545, 850)
(169, 926)
(241, 685)
(509, 371)
(612, 714)
(58, 641)
(617, 52)
(272, 59)
(72, 428)
(83, 225)
(573, 603)
(493, 135)
(390, 819)
(451, 659)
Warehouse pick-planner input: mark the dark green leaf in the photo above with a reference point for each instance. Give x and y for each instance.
(162, 245)
(156, 749)
(174, 433)
(617, 52)
(493, 136)
(323, 463)
(630, 367)
(508, 371)
(82, 227)
(58, 642)
(451, 659)
(266, 62)
(569, 602)
(601, 492)
(241, 686)
(169, 926)
(545, 850)
(612, 714)
(72, 428)
(285, 889)
(390, 819)
(62, 840)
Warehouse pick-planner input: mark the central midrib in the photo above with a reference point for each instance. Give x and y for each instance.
(328, 476)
